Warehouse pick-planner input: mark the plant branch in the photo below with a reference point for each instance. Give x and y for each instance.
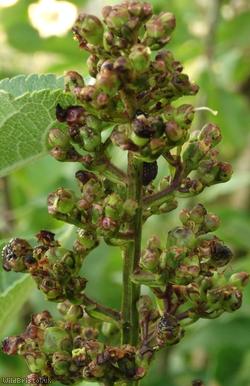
(105, 311)
(131, 256)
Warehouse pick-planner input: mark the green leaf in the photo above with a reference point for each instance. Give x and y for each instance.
(24, 123)
(21, 84)
(12, 300)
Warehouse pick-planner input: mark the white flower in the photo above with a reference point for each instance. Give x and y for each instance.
(7, 3)
(51, 17)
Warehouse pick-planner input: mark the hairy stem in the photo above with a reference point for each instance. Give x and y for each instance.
(131, 291)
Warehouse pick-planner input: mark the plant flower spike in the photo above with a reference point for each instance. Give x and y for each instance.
(135, 83)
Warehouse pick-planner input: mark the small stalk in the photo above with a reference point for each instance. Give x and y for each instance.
(131, 256)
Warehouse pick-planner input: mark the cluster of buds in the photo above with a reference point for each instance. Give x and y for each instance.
(54, 268)
(67, 351)
(188, 276)
(128, 103)
(98, 211)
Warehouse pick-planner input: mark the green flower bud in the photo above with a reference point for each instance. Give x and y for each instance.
(113, 206)
(140, 58)
(184, 216)
(181, 237)
(173, 257)
(58, 138)
(207, 172)
(116, 17)
(88, 239)
(150, 260)
(89, 28)
(61, 201)
(184, 115)
(198, 213)
(87, 94)
(36, 361)
(108, 81)
(56, 339)
(72, 81)
(194, 153)
(51, 289)
(211, 222)
(61, 363)
(225, 172)
(17, 254)
(160, 26)
(129, 207)
(91, 138)
(211, 133)
(173, 131)
(239, 279)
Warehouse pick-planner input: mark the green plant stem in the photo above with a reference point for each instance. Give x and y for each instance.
(131, 291)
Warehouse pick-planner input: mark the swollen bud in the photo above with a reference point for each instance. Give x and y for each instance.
(239, 279)
(140, 58)
(89, 28)
(73, 80)
(211, 134)
(57, 137)
(61, 201)
(56, 339)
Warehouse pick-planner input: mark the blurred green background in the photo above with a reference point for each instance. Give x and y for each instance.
(212, 40)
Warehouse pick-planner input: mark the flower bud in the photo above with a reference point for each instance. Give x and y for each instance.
(140, 58)
(181, 237)
(113, 206)
(239, 279)
(198, 213)
(89, 28)
(211, 222)
(15, 254)
(108, 82)
(225, 172)
(51, 289)
(158, 30)
(207, 172)
(150, 260)
(56, 339)
(211, 134)
(116, 17)
(194, 153)
(36, 361)
(61, 363)
(184, 216)
(91, 138)
(173, 131)
(57, 137)
(87, 239)
(61, 201)
(72, 81)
